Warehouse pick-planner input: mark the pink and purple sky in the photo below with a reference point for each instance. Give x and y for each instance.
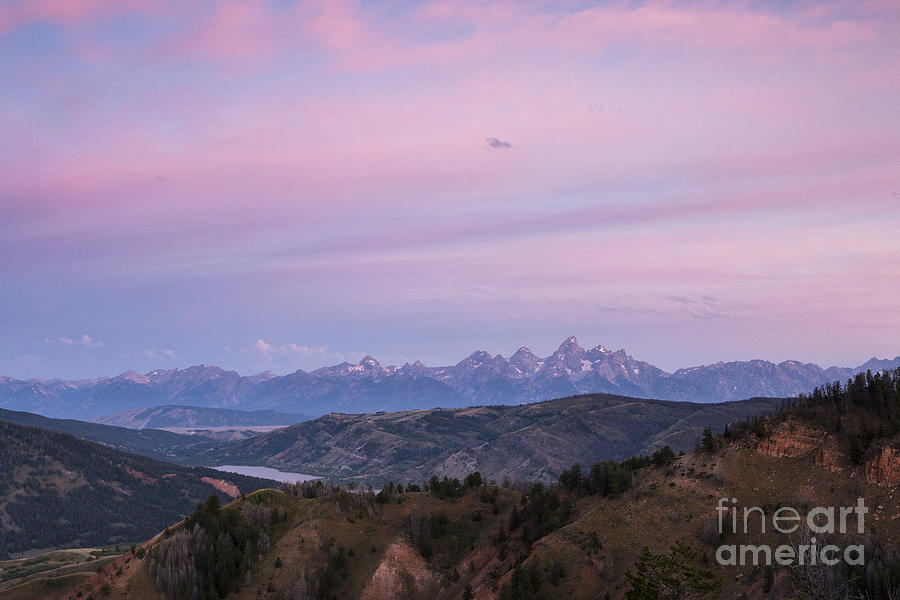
(282, 185)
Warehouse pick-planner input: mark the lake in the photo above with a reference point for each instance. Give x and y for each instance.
(266, 473)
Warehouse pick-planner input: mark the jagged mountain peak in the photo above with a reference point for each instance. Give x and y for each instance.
(569, 353)
(418, 368)
(298, 374)
(337, 370)
(570, 345)
(878, 364)
(369, 362)
(204, 368)
(525, 362)
(479, 379)
(476, 358)
(202, 371)
(133, 376)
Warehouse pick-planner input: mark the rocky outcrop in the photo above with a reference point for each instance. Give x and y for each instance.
(792, 441)
(884, 468)
(226, 487)
(829, 458)
(402, 573)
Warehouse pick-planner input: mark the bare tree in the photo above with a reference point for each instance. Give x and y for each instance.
(818, 581)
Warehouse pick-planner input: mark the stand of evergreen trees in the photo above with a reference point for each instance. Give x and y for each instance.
(534, 581)
(60, 491)
(609, 478)
(215, 551)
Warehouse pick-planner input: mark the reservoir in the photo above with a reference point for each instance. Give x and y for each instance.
(266, 473)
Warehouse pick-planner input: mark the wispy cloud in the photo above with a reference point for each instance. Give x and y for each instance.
(152, 353)
(89, 342)
(85, 341)
(289, 356)
(263, 348)
(266, 349)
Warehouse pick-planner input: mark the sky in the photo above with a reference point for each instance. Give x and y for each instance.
(274, 185)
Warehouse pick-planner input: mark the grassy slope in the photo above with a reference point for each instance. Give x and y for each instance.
(656, 513)
(51, 574)
(317, 523)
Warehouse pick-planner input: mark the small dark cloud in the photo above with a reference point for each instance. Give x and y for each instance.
(494, 142)
(630, 310)
(693, 299)
(682, 299)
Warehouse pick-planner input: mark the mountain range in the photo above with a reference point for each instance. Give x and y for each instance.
(479, 379)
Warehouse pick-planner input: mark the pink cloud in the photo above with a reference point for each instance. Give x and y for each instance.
(67, 12)
(746, 112)
(503, 29)
(233, 31)
(359, 37)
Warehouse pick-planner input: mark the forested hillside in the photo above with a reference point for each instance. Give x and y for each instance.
(60, 491)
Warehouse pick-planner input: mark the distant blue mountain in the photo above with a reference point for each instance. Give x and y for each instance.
(479, 379)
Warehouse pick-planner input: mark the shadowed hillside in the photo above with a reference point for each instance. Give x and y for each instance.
(60, 491)
(155, 443)
(529, 442)
(162, 417)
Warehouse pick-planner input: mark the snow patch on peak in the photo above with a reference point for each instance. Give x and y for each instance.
(133, 377)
